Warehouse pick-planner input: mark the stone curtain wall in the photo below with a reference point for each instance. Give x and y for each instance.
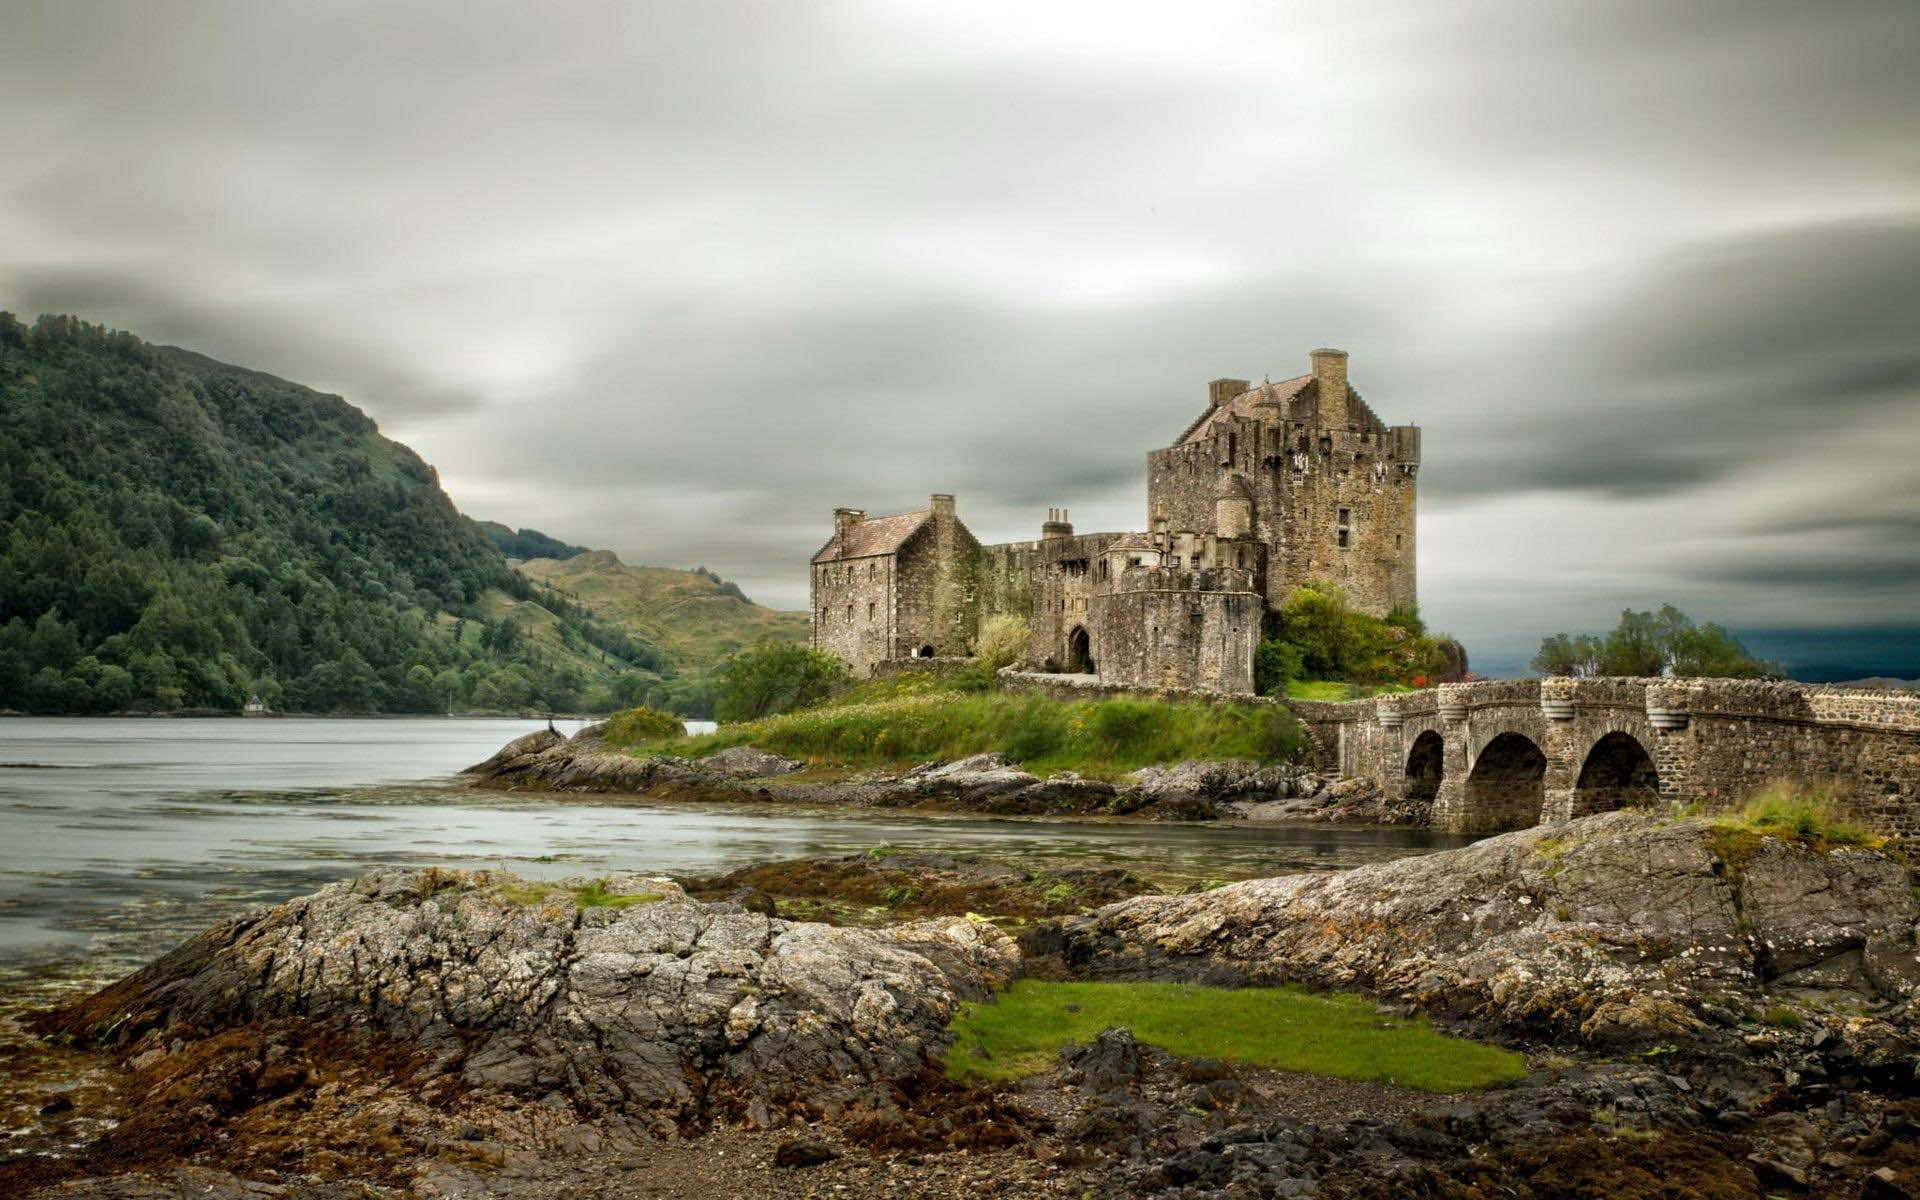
(1709, 742)
(1170, 628)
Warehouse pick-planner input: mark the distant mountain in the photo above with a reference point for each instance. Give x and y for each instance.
(1883, 683)
(179, 533)
(527, 543)
(695, 617)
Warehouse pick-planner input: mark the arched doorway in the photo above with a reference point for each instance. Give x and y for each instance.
(1618, 773)
(1426, 763)
(1507, 787)
(924, 652)
(1079, 652)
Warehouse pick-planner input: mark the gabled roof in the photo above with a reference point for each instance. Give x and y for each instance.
(1132, 541)
(1287, 400)
(875, 535)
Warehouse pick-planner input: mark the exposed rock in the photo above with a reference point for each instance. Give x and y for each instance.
(517, 755)
(745, 762)
(1620, 927)
(803, 1152)
(636, 999)
(980, 783)
(887, 884)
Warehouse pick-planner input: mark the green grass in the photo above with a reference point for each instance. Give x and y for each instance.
(1799, 812)
(1338, 689)
(1020, 1033)
(1100, 737)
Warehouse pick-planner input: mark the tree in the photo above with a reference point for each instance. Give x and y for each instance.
(1649, 643)
(774, 677)
(1570, 656)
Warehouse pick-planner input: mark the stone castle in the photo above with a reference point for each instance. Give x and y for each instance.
(1269, 487)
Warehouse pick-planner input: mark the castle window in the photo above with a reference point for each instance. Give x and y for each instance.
(849, 612)
(870, 610)
(1233, 447)
(1345, 531)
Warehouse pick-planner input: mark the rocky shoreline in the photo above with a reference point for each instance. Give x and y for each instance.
(1707, 1012)
(985, 783)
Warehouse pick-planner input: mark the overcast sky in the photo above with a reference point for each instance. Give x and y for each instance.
(677, 279)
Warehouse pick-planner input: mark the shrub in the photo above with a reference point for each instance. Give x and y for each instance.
(635, 726)
(774, 677)
(1003, 642)
(1276, 664)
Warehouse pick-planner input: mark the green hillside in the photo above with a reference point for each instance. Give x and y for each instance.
(176, 533)
(694, 617)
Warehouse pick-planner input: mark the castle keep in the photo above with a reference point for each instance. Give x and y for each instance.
(1269, 487)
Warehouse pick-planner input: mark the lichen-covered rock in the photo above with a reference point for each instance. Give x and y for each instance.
(745, 762)
(1619, 927)
(618, 993)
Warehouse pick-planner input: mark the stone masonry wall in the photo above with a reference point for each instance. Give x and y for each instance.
(1161, 627)
(1711, 742)
(853, 610)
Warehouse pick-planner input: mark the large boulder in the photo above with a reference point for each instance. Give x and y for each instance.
(1618, 927)
(619, 993)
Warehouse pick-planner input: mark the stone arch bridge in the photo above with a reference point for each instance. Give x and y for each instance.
(1510, 753)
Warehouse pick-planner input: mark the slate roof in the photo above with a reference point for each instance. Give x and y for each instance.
(1133, 541)
(1294, 398)
(875, 535)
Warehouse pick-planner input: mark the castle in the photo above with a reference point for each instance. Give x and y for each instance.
(1270, 487)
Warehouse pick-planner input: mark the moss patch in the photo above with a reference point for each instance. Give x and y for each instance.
(1020, 1033)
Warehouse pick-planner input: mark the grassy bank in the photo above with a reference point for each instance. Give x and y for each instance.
(1020, 1033)
(1042, 734)
(1339, 689)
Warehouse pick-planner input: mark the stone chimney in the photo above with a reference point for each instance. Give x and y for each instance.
(1222, 390)
(846, 518)
(1330, 381)
(943, 507)
(1057, 525)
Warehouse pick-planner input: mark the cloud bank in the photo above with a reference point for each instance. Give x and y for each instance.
(678, 279)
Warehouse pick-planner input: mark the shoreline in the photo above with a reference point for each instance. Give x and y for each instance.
(697, 1033)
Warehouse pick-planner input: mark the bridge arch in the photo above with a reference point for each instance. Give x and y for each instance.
(1618, 772)
(1506, 789)
(1426, 767)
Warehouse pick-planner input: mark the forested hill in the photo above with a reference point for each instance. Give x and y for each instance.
(179, 533)
(527, 543)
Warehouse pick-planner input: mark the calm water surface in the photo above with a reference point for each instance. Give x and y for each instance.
(119, 837)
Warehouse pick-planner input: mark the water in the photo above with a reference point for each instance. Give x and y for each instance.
(119, 837)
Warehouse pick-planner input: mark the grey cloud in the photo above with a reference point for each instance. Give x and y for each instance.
(241, 333)
(1721, 352)
(678, 279)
